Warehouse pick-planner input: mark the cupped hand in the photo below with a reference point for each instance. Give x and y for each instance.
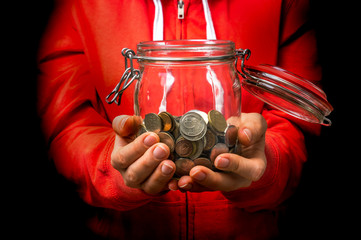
(237, 170)
(142, 161)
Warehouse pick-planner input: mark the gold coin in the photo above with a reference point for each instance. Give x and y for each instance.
(167, 139)
(199, 146)
(175, 130)
(217, 121)
(183, 166)
(167, 120)
(210, 139)
(184, 147)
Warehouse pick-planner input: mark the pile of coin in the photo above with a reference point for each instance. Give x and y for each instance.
(195, 138)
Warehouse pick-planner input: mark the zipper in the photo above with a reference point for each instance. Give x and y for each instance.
(180, 9)
(180, 19)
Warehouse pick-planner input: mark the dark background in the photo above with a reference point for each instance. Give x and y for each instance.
(39, 203)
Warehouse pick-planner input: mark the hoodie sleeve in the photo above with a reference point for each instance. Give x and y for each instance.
(74, 122)
(285, 144)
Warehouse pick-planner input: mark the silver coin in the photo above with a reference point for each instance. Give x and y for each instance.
(153, 122)
(192, 126)
(202, 114)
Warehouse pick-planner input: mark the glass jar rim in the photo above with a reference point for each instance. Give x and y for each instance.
(186, 43)
(185, 50)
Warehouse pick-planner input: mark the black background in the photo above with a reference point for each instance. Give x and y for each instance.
(39, 203)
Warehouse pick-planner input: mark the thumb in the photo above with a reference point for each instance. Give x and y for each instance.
(252, 128)
(125, 125)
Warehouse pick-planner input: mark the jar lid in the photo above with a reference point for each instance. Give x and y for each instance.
(287, 92)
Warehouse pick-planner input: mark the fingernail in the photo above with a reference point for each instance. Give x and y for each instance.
(173, 185)
(199, 176)
(222, 162)
(187, 185)
(150, 140)
(166, 169)
(248, 134)
(160, 153)
(123, 120)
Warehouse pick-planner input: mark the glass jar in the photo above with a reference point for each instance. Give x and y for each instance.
(184, 75)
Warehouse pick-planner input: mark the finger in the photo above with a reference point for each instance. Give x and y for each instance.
(186, 183)
(173, 185)
(144, 166)
(158, 181)
(220, 181)
(251, 169)
(123, 156)
(125, 125)
(252, 128)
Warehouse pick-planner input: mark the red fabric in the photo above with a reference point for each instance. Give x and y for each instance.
(80, 62)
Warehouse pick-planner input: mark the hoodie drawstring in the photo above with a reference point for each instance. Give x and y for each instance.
(211, 34)
(158, 21)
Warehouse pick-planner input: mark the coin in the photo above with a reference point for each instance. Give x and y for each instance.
(198, 149)
(167, 120)
(183, 166)
(231, 135)
(217, 121)
(152, 122)
(192, 126)
(200, 137)
(177, 118)
(141, 130)
(175, 131)
(184, 147)
(219, 148)
(203, 161)
(167, 139)
(202, 114)
(210, 139)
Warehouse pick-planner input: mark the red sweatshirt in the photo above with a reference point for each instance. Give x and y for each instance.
(80, 61)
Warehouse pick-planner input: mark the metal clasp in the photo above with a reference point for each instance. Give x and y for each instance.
(243, 55)
(129, 75)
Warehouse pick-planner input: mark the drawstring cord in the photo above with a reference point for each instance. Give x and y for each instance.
(158, 21)
(211, 34)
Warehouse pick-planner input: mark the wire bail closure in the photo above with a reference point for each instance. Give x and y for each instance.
(242, 54)
(129, 75)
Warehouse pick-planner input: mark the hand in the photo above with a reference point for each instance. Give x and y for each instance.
(140, 160)
(239, 171)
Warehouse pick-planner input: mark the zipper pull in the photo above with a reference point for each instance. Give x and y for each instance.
(180, 9)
